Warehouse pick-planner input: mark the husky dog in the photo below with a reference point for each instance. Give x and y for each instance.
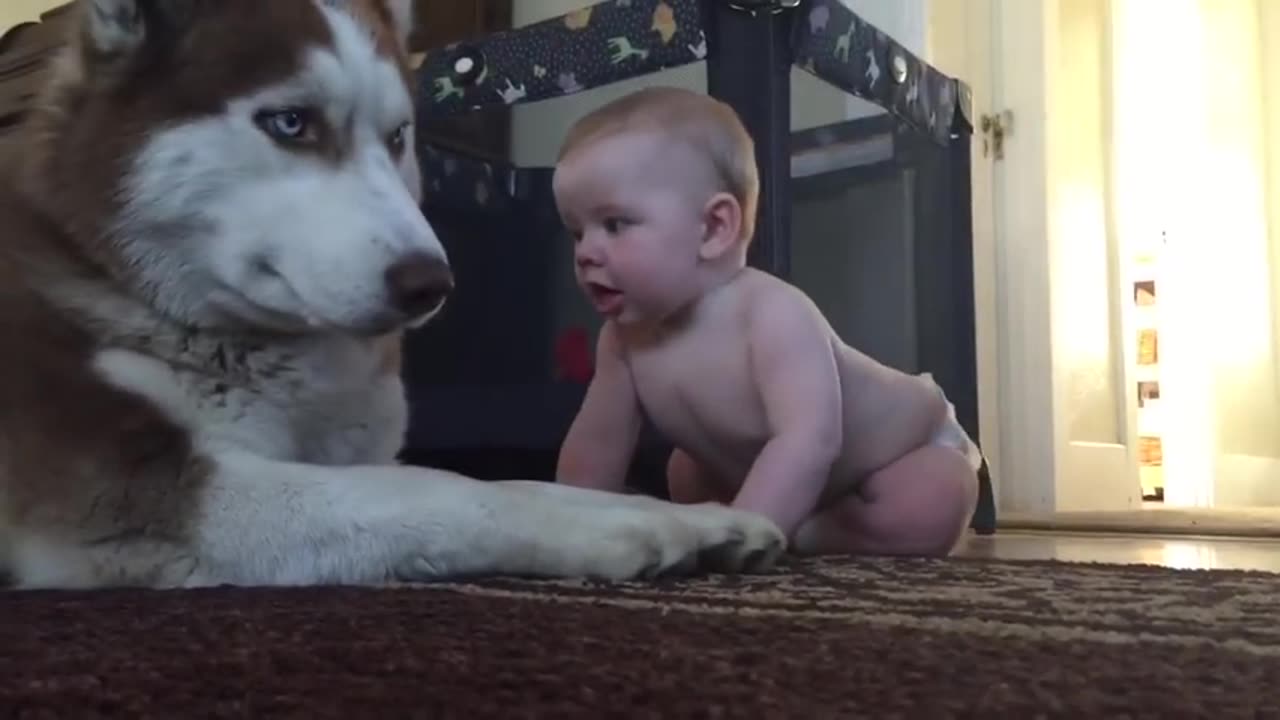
(211, 243)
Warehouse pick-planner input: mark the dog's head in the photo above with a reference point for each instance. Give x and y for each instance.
(245, 162)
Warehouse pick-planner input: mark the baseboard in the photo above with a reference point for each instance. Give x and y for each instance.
(1226, 522)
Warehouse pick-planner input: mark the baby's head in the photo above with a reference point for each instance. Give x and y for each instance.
(659, 189)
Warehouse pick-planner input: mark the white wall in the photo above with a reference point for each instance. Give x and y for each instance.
(13, 12)
(1269, 23)
(538, 128)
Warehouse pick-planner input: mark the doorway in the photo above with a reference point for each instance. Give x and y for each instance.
(1127, 228)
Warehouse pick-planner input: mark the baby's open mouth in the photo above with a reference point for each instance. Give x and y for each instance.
(605, 298)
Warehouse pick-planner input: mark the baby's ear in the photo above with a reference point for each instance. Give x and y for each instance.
(722, 223)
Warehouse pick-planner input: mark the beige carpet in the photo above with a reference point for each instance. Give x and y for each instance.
(873, 638)
(1231, 522)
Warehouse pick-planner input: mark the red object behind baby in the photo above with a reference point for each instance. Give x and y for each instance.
(573, 356)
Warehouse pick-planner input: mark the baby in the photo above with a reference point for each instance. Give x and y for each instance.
(767, 408)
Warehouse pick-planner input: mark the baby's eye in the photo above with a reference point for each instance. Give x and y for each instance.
(614, 225)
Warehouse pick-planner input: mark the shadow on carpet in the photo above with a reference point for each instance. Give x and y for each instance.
(817, 639)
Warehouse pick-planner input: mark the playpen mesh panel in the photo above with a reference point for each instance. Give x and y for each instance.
(456, 180)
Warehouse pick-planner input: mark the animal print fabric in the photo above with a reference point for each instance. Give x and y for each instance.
(833, 43)
(834, 638)
(619, 39)
(595, 45)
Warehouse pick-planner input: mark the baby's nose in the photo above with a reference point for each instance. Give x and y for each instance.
(586, 254)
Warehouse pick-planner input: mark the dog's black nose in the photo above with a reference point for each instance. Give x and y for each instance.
(418, 283)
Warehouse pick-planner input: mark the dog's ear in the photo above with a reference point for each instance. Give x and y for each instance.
(401, 12)
(120, 27)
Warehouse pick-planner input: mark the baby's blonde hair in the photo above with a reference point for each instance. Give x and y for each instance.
(706, 125)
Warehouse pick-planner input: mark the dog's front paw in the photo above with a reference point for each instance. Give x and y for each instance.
(734, 541)
(670, 539)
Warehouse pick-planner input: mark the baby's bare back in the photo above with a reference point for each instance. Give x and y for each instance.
(697, 386)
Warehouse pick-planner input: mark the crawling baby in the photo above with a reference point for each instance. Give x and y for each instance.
(768, 410)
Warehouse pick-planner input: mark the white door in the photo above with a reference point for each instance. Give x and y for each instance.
(1055, 360)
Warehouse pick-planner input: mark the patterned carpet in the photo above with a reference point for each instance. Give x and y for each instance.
(867, 638)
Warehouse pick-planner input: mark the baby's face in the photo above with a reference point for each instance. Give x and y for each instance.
(634, 205)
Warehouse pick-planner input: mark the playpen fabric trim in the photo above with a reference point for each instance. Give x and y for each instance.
(833, 43)
(593, 46)
(617, 40)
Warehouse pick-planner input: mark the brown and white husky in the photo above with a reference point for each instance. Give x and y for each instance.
(209, 246)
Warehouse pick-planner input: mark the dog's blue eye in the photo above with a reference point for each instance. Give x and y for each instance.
(290, 124)
(285, 125)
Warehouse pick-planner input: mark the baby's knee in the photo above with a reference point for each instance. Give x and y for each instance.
(944, 523)
(933, 535)
(938, 541)
(926, 509)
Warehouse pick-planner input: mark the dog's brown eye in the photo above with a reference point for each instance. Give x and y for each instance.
(288, 125)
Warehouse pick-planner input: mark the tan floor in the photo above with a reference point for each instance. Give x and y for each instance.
(1185, 551)
(1157, 519)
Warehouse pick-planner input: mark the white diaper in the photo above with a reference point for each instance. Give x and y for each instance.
(951, 434)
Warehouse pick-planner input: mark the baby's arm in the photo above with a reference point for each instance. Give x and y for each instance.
(795, 368)
(597, 449)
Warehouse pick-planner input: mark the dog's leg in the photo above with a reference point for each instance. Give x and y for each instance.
(267, 522)
(62, 561)
(264, 522)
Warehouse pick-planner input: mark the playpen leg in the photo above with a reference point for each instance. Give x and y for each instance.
(984, 517)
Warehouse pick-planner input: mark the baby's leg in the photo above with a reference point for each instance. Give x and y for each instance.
(918, 505)
(689, 483)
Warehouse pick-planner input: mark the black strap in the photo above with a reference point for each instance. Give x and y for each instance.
(601, 44)
(833, 43)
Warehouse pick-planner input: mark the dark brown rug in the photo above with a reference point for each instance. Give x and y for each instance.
(849, 638)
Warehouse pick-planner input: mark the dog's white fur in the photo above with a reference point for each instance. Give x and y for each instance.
(255, 278)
